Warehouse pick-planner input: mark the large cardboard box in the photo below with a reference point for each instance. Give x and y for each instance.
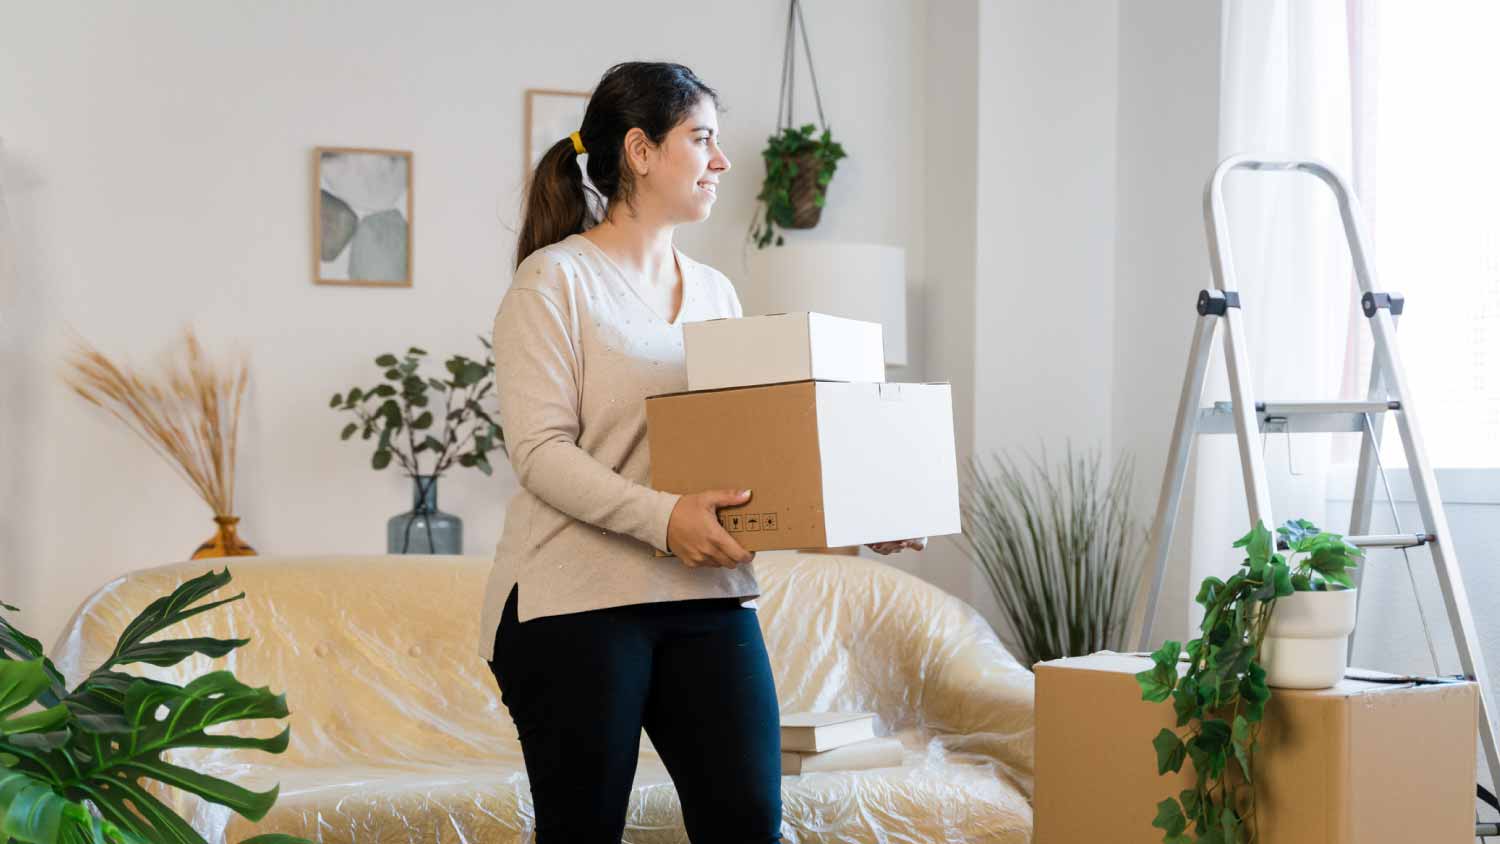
(1362, 762)
(778, 348)
(827, 463)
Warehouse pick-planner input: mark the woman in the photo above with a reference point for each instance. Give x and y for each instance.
(590, 636)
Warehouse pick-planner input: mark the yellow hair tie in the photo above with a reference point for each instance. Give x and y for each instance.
(577, 143)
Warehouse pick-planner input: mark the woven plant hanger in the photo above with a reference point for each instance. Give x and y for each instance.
(805, 183)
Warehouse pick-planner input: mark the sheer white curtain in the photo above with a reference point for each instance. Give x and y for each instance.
(1286, 91)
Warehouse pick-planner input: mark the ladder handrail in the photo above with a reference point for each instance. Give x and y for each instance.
(1349, 212)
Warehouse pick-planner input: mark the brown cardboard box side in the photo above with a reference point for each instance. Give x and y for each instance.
(1362, 762)
(764, 439)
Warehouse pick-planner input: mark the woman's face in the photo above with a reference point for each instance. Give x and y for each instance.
(682, 176)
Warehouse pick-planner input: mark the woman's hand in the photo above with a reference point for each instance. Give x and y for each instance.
(695, 536)
(898, 544)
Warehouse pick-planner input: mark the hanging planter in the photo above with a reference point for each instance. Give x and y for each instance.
(800, 163)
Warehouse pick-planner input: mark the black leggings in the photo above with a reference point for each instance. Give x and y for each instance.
(694, 674)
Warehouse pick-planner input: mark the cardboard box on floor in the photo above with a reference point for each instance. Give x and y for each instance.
(827, 463)
(776, 348)
(1361, 762)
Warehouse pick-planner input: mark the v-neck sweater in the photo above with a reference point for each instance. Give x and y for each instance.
(577, 350)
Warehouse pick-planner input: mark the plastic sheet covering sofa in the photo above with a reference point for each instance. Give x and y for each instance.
(398, 733)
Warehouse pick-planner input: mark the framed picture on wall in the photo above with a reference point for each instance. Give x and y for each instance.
(362, 217)
(550, 117)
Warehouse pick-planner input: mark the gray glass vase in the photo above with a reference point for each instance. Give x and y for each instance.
(424, 529)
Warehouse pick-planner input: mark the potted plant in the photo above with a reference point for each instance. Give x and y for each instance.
(1059, 547)
(799, 166)
(395, 414)
(187, 410)
(91, 746)
(1307, 641)
(1221, 694)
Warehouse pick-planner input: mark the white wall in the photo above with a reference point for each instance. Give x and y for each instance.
(1096, 126)
(950, 88)
(157, 171)
(1020, 184)
(1168, 145)
(1044, 293)
(1044, 284)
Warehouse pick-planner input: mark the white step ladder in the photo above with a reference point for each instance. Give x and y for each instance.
(1246, 418)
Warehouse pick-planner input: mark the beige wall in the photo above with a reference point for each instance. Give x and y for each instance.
(1041, 162)
(157, 168)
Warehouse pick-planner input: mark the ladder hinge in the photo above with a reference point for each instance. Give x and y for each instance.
(1210, 303)
(1372, 302)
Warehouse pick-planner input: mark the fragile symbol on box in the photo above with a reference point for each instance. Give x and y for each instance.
(745, 522)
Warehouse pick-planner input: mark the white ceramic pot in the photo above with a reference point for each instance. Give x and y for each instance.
(1307, 643)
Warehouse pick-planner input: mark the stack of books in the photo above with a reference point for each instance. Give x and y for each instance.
(834, 741)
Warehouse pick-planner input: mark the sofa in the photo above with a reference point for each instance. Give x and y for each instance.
(398, 733)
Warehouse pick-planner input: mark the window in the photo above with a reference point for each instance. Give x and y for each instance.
(1436, 218)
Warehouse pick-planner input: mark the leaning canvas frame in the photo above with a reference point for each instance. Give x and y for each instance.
(407, 207)
(550, 116)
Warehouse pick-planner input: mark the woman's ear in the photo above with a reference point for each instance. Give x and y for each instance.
(638, 151)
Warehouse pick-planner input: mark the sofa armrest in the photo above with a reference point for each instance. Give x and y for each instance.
(979, 700)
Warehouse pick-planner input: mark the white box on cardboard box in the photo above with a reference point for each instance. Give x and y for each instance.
(778, 348)
(828, 463)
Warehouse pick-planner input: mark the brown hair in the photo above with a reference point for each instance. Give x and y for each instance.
(654, 96)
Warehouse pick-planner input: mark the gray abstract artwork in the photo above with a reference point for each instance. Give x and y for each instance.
(363, 216)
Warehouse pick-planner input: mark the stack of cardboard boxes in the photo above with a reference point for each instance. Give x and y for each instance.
(1368, 761)
(796, 408)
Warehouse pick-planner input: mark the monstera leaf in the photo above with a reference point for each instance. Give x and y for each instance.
(99, 742)
(34, 812)
(17, 645)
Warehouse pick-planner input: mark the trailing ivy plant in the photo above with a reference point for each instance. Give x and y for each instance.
(92, 745)
(785, 155)
(1221, 697)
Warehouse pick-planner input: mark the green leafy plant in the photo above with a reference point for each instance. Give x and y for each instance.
(399, 406)
(789, 154)
(1059, 548)
(1221, 696)
(93, 745)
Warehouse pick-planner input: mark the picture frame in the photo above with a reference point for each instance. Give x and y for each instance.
(363, 204)
(551, 115)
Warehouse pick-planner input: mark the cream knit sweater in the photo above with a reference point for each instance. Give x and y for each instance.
(577, 351)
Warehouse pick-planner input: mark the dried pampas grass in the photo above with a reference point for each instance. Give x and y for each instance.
(188, 411)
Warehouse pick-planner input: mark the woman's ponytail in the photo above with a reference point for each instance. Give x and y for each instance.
(556, 205)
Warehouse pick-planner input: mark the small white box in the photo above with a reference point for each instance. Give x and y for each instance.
(778, 348)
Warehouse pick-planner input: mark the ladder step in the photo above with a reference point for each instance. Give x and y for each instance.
(1310, 416)
(1296, 408)
(1383, 540)
(1391, 540)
